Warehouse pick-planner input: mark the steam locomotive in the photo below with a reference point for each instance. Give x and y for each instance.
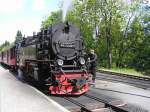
(54, 57)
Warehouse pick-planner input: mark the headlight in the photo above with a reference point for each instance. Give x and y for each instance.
(82, 61)
(60, 62)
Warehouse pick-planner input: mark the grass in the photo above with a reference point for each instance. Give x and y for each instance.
(125, 71)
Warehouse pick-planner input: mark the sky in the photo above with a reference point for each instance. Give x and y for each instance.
(24, 15)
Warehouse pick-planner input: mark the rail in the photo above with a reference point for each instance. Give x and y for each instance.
(107, 104)
(125, 75)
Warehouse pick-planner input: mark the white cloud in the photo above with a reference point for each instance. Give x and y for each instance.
(11, 5)
(27, 20)
(27, 26)
(39, 5)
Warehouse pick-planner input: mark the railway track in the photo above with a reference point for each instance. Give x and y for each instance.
(101, 105)
(92, 103)
(141, 82)
(95, 102)
(126, 75)
(84, 107)
(114, 106)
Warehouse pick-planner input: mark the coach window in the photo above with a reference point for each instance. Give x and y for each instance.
(12, 52)
(2, 55)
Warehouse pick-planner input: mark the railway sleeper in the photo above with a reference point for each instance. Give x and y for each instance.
(89, 107)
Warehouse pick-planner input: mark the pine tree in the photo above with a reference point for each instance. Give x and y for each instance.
(18, 37)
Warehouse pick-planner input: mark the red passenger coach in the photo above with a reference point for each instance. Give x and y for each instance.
(1, 57)
(12, 57)
(8, 57)
(4, 57)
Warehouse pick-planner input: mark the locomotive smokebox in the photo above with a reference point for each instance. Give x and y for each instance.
(66, 41)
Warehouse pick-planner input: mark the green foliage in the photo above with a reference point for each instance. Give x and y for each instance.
(4, 46)
(18, 37)
(85, 28)
(54, 17)
(107, 16)
(141, 57)
(141, 60)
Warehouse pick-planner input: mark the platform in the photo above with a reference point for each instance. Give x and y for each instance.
(16, 96)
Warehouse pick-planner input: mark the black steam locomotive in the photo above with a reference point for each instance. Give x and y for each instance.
(55, 57)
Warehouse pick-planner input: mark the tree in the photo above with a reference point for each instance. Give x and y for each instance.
(98, 17)
(141, 59)
(54, 17)
(141, 29)
(18, 37)
(4, 45)
(79, 16)
(126, 41)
